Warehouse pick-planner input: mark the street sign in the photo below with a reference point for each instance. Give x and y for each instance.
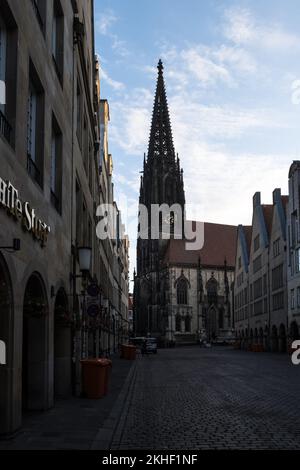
(93, 310)
(93, 290)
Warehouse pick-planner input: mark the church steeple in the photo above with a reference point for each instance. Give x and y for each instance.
(161, 140)
(162, 175)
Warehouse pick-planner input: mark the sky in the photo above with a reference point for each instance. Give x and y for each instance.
(232, 75)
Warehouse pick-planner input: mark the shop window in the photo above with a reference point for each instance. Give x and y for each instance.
(56, 166)
(58, 39)
(35, 127)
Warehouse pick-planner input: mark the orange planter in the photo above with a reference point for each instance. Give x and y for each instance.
(95, 377)
(128, 351)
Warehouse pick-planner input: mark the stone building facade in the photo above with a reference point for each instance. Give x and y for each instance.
(50, 186)
(293, 252)
(260, 290)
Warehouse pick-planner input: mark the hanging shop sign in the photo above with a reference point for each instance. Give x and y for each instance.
(23, 212)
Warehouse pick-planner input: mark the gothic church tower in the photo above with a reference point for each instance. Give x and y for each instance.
(161, 183)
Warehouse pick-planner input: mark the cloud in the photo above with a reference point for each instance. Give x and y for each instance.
(203, 68)
(112, 83)
(105, 21)
(242, 28)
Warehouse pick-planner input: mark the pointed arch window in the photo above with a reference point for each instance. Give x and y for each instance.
(182, 292)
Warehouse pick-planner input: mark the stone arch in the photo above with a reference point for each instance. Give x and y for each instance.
(212, 325)
(178, 323)
(261, 336)
(274, 339)
(251, 337)
(187, 324)
(35, 355)
(182, 285)
(6, 336)
(212, 287)
(62, 345)
(294, 331)
(282, 339)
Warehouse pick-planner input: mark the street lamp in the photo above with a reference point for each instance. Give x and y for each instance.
(84, 254)
(84, 258)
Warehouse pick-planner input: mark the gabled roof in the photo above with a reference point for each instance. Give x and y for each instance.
(219, 244)
(268, 216)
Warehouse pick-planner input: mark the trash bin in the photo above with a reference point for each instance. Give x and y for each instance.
(94, 377)
(131, 352)
(128, 351)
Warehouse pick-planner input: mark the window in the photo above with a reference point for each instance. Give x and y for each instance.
(277, 277)
(297, 260)
(292, 299)
(91, 165)
(257, 264)
(278, 301)
(178, 323)
(298, 296)
(58, 39)
(35, 127)
(182, 292)
(3, 42)
(256, 243)
(257, 286)
(56, 166)
(85, 149)
(276, 247)
(265, 284)
(78, 214)
(258, 307)
(79, 114)
(40, 12)
(240, 279)
(8, 72)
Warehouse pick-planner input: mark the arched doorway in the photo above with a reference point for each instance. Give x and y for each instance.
(274, 339)
(62, 345)
(6, 325)
(282, 339)
(212, 331)
(261, 337)
(266, 339)
(294, 331)
(35, 345)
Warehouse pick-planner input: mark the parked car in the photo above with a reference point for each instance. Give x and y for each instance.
(151, 345)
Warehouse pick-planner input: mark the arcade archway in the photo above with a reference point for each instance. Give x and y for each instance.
(35, 345)
(6, 325)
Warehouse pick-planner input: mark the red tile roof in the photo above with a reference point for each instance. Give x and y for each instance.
(219, 243)
(268, 216)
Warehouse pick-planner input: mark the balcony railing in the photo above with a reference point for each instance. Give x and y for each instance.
(38, 14)
(33, 170)
(5, 127)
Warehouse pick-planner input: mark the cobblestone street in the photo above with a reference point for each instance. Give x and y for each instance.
(192, 398)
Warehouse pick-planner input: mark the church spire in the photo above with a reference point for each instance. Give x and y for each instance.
(161, 140)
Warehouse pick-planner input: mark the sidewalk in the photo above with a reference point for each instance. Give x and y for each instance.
(75, 423)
